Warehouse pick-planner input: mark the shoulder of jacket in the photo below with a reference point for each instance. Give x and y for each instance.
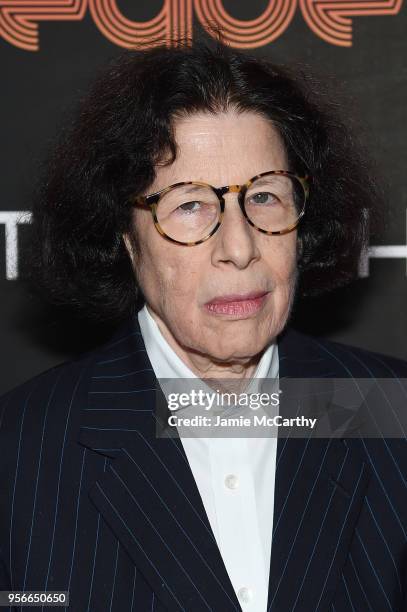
(372, 363)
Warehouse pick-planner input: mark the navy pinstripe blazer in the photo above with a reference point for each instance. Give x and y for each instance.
(93, 503)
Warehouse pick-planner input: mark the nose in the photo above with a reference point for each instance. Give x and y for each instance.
(235, 241)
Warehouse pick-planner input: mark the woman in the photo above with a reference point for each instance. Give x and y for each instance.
(197, 193)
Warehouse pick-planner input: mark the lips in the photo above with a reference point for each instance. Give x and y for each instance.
(236, 297)
(237, 305)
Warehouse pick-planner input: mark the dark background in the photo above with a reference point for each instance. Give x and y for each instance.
(40, 87)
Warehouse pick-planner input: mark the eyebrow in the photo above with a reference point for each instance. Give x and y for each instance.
(266, 179)
(191, 188)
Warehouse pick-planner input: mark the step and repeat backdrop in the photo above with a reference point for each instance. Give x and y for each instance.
(49, 52)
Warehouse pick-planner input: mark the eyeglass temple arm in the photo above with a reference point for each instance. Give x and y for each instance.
(139, 201)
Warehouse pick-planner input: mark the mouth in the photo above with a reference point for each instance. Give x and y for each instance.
(237, 305)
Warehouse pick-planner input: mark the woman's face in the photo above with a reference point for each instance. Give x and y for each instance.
(178, 281)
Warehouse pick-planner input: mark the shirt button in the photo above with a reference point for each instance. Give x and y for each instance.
(245, 594)
(231, 481)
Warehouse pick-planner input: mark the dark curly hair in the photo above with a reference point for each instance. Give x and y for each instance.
(123, 127)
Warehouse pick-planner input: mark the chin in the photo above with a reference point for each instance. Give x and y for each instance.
(243, 350)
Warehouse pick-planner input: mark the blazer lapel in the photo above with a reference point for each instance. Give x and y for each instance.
(148, 495)
(319, 489)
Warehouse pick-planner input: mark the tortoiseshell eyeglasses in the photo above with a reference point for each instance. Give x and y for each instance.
(190, 212)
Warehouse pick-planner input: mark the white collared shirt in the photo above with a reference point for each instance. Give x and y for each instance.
(235, 478)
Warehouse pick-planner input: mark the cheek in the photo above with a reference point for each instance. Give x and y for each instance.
(166, 272)
(282, 260)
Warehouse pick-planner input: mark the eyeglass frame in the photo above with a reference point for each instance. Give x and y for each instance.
(151, 201)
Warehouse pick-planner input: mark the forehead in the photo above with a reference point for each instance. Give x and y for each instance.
(223, 148)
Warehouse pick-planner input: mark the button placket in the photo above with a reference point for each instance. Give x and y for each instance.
(237, 520)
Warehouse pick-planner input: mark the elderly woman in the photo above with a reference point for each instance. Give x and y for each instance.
(196, 194)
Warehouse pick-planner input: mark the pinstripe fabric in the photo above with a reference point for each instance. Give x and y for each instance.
(92, 502)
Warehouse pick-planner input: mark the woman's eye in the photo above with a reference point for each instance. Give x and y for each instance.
(189, 206)
(263, 197)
